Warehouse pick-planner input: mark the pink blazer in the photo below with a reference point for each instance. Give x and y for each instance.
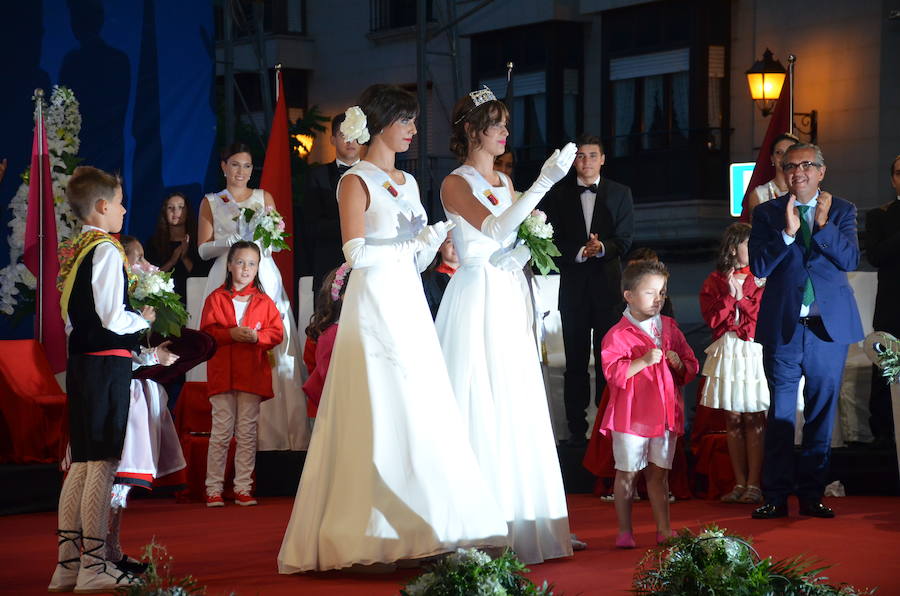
(649, 403)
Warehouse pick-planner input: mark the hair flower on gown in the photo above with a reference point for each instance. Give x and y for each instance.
(354, 125)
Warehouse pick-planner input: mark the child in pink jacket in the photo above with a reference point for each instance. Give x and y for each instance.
(645, 360)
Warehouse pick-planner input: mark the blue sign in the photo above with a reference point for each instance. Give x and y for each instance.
(738, 178)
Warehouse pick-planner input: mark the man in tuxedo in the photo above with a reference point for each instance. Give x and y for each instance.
(883, 252)
(804, 243)
(593, 222)
(322, 238)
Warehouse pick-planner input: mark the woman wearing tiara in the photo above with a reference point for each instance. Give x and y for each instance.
(485, 332)
(389, 474)
(282, 420)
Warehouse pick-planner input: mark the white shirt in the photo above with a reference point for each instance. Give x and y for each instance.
(652, 326)
(339, 163)
(788, 240)
(240, 307)
(588, 200)
(109, 291)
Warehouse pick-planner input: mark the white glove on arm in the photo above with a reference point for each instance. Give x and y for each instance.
(512, 259)
(219, 246)
(435, 237)
(360, 253)
(554, 169)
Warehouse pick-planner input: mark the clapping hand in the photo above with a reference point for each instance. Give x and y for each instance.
(791, 217)
(674, 360)
(735, 287)
(593, 247)
(823, 206)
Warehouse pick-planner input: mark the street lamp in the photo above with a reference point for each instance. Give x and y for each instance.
(765, 78)
(303, 144)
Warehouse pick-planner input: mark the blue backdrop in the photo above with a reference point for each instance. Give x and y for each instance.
(143, 72)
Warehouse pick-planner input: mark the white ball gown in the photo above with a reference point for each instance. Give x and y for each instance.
(389, 474)
(485, 333)
(283, 424)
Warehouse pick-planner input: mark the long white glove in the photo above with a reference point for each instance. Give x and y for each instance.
(554, 169)
(435, 238)
(512, 259)
(359, 253)
(219, 246)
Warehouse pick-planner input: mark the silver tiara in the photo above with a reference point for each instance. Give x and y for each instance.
(482, 96)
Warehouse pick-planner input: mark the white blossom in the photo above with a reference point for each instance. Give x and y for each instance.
(354, 125)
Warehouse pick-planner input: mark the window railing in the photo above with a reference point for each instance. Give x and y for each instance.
(394, 14)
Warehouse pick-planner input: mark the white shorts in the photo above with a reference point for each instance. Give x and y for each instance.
(632, 452)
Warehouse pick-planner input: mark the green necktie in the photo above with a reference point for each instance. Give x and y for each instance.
(809, 295)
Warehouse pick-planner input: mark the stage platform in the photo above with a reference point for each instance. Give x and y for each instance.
(234, 549)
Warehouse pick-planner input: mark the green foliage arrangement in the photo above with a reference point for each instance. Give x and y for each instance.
(714, 562)
(471, 572)
(537, 233)
(158, 580)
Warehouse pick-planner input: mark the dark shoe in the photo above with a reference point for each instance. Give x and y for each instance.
(769, 511)
(575, 441)
(816, 509)
(132, 566)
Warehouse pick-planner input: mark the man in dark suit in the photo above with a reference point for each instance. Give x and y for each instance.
(322, 225)
(593, 222)
(804, 243)
(883, 252)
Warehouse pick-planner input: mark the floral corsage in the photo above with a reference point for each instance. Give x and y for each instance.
(340, 280)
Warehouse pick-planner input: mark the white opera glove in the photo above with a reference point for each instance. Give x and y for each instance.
(219, 246)
(554, 169)
(433, 237)
(360, 253)
(264, 251)
(513, 259)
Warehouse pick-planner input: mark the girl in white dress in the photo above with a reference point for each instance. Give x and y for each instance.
(484, 329)
(389, 474)
(283, 424)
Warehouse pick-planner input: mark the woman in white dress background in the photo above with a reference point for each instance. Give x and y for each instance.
(777, 186)
(389, 474)
(283, 424)
(485, 331)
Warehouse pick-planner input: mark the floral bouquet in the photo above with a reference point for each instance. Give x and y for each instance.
(151, 287)
(263, 225)
(538, 236)
(474, 572)
(715, 562)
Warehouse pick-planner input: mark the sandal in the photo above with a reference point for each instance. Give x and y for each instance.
(752, 495)
(735, 495)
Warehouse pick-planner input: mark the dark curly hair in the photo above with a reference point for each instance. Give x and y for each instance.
(327, 311)
(731, 237)
(478, 118)
(385, 104)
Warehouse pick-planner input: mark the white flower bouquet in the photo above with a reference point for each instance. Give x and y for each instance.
(471, 571)
(265, 226)
(151, 287)
(537, 233)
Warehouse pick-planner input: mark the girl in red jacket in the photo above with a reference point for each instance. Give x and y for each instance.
(646, 360)
(735, 380)
(245, 324)
(320, 334)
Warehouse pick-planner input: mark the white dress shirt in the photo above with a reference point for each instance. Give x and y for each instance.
(588, 200)
(788, 240)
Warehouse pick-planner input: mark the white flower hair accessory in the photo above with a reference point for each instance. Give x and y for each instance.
(354, 125)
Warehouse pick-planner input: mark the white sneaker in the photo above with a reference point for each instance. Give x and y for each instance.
(100, 578)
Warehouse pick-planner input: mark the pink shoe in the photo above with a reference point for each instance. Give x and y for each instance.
(660, 538)
(625, 540)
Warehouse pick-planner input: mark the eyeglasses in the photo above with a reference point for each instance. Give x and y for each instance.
(802, 166)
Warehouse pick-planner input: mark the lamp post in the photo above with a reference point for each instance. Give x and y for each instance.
(766, 78)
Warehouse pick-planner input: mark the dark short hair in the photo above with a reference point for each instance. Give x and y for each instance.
(783, 137)
(638, 270)
(643, 253)
(894, 164)
(589, 139)
(731, 237)
(385, 104)
(125, 240)
(234, 149)
(89, 185)
(479, 118)
(336, 123)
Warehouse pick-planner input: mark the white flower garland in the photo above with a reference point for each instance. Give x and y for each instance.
(63, 122)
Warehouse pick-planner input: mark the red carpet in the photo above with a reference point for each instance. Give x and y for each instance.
(234, 549)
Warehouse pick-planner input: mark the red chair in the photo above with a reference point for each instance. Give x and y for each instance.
(32, 406)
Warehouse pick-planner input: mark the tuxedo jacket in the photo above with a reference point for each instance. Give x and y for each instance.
(322, 225)
(834, 250)
(883, 252)
(597, 280)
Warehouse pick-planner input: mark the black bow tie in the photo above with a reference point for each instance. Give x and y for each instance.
(342, 168)
(592, 188)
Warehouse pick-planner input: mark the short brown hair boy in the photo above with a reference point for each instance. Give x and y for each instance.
(89, 185)
(637, 270)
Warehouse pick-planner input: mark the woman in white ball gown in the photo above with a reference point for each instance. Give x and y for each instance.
(485, 332)
(283, 423)
(389, 474)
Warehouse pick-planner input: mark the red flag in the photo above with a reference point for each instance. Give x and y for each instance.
(764, 171)
(48, 323)
(276, 178)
